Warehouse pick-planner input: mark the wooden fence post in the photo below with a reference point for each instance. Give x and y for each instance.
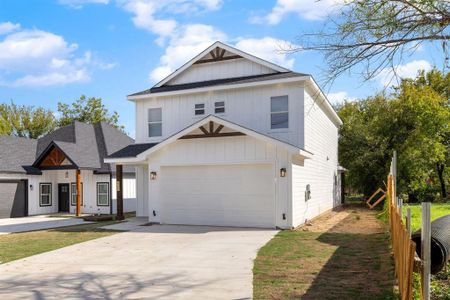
(408, 221)
(426, 249)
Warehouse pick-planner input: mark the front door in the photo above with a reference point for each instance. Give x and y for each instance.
(63, 197)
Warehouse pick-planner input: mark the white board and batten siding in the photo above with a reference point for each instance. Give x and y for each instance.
(219, 70)
(320, 172)
(198, 181)
(129, 193)
(248, 107)
(236, 161)
(89, 180)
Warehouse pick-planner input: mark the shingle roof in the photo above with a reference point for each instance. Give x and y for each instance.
(85, 144)
(17, 154)
(218, 82)
(132, 150)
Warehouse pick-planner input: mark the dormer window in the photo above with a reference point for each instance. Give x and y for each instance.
(154, 122)
(199, 109)
(219, 107)
(279, 112)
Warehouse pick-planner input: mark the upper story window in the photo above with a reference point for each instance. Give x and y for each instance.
(45, 194)
(279, 112)
(199, 109)
(154, 122)
(219, 107)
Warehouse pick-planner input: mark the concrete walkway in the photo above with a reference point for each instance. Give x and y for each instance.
(129, 224)
(36, 223)
(152, 262)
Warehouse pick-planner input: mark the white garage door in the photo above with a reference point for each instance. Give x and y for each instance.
(227, 195)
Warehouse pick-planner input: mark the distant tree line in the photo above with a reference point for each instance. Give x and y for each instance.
(415, 121)
(34, 122)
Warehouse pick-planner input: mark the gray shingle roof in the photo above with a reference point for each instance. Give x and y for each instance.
(17, 154)
(132, 150)
(85, 144)
(218, 82)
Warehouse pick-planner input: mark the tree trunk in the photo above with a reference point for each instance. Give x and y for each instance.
(440, 170)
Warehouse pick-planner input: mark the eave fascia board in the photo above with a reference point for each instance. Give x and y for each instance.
(218, 88)
(123, 160)
(313, 84)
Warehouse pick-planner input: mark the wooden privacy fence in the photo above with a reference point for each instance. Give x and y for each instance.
(403, 247)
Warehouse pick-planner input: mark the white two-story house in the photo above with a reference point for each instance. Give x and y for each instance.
(230, 139)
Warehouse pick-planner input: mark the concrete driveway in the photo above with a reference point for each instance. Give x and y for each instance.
(10, 225)
(153, 262)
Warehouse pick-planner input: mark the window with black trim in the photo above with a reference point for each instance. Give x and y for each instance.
(102, 193)
(73, 194)
(199, 109)
(279, 112)
(219, 107)
(45, 194)
(154, 122)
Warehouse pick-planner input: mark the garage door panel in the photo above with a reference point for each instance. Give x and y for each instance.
(229, 195)
(13, 199)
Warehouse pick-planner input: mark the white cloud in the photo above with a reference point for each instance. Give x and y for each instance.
(339, 97)
(189, 41)
(305, 9)
(144, 17)
(152, 15)
(268, 48)
(183, 41)
(8, 27)
(40, 58)
(389, 76)
(77, 4)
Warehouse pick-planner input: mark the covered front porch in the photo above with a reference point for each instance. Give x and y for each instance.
(64, 187)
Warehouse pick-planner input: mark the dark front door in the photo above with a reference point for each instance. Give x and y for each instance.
(63, 197)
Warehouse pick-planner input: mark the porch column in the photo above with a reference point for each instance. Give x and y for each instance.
(119, 192)
(78, 183)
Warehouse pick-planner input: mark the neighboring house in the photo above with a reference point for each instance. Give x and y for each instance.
(230, 139)
(38, 176)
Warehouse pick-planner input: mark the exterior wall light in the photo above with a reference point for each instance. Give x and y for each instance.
(67, 174)
(283, 172)
(153, 175)
(31, 187)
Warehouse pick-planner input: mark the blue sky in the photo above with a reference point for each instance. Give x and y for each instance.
(57, 50)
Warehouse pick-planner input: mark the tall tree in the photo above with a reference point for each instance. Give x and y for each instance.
(440, 84)
(26, 121)
(5, 125)
(414, 120)
(88, 110)
(377, 33)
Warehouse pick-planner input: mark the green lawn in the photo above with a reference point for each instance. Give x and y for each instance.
(19, 245)
(437, 210)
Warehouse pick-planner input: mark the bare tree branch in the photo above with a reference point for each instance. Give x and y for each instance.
(376, 34)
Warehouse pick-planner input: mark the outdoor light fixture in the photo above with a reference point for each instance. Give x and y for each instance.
(283, 172)
(67, 174)
(31, 187)
(153, 175)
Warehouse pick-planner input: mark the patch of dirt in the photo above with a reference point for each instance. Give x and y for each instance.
(350, 219)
